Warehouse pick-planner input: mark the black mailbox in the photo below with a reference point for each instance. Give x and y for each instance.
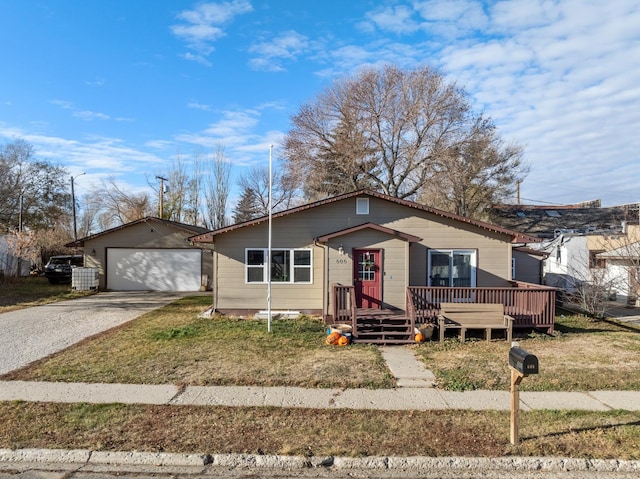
(522, 361)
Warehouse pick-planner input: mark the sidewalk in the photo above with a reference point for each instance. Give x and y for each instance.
(415, 391)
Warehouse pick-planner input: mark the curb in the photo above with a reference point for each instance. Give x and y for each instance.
(134, 459)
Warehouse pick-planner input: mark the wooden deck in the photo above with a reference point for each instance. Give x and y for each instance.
(531, 306)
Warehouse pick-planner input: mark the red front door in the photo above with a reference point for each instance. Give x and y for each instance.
(366, 278)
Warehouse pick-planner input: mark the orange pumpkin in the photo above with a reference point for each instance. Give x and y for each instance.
(343, 341)
(419, 337)
(333, 338)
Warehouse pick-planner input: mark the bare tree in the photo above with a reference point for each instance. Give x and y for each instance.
(255, 186)
(479, 171)
(217, 189)
(117, 207)
(609, 269)
(178, 186)
(33, 193)
(394, 131)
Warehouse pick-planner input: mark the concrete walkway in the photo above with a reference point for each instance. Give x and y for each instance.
(418, 398)
(415, 391)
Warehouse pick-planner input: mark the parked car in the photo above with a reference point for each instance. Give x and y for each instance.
(58, 268)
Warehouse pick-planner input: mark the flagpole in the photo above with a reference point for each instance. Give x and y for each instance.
(269, 247)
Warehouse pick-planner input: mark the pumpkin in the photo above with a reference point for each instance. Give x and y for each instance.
(343, 341)
(333, 338)
(419, 337)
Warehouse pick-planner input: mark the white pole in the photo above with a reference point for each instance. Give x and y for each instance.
(269, 247)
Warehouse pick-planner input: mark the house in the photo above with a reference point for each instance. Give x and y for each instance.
(149, 254)
(585, 244)
(376, 246)
(10, 264)
(617, 257)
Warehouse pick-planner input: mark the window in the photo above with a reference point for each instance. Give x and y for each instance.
(594, 261)
(452, 268)
(287, 265)
(362, 206)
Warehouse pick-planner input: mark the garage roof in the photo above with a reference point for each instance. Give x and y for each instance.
(190, 229)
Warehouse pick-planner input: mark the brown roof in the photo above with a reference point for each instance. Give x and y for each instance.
(547, 221)
(373, 226)
(516, 236)
(174, 224)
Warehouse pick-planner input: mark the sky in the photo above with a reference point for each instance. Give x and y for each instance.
(120, 89)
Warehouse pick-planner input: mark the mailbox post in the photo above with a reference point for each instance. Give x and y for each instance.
(522, 364)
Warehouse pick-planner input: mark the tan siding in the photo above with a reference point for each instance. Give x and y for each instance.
(299, 230)
(234, 293)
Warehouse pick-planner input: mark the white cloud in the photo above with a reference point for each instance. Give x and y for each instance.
(86, 115)
(90, 115)
(199, 106)
(236, 132)
(102, 155)
(286, 46)
(202, 26)
(395, 19)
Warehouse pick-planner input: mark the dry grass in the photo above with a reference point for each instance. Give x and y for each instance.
(583, 355)
(174, 346)
(190, 429)
(19, 293)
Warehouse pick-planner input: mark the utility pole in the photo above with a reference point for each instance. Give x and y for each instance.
(161, 202)
(73, 206)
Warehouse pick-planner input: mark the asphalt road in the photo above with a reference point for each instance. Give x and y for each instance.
(32, 333)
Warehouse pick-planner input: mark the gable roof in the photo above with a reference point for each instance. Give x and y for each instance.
(549, 221)
(190, 229)
(516, 236)
(407, 237)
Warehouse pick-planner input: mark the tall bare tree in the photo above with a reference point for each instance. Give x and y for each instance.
(217, 175)
(178, 187)
(255, 192)
(395, 131)
(476, 173)
(33, 192)
(117, 207)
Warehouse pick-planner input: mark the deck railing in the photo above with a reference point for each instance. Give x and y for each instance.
(344, 304)
(531, 305)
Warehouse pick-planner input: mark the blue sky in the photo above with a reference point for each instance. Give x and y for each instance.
(119, 88)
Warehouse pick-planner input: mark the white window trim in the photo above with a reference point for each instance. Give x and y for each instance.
(362, 206)
(474, 262)
(292, 266)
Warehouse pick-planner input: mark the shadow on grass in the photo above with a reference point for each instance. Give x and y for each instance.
(583, 429)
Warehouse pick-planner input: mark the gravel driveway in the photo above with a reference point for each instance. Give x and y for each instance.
(30, 334)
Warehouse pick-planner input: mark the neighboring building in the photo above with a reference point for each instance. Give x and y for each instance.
(380, 244)
(586, 244)
(528, 264)
(148, 254)
(10, 264)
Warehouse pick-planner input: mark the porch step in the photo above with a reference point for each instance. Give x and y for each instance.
(384, 328)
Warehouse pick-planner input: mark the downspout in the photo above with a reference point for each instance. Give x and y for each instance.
(214, 286)
(325, 282)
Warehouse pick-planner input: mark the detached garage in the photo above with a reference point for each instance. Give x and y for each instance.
(149, 254)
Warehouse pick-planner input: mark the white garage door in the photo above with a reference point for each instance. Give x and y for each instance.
(135, 269)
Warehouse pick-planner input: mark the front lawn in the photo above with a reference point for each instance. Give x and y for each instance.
(173, 345)
(582, 355)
